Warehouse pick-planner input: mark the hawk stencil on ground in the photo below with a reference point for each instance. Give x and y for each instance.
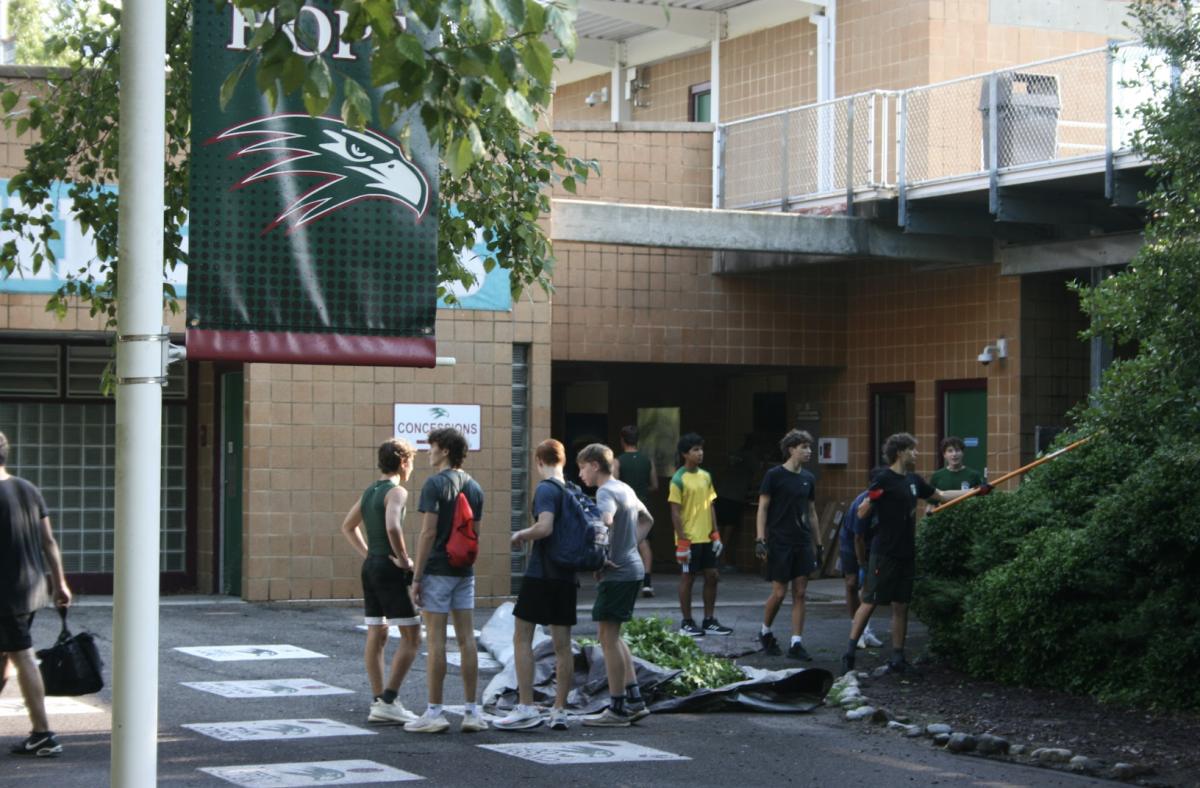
(15, 707)
(583, 752)
(239, 653)
(272, 688)
(268, 730)
(295, 775)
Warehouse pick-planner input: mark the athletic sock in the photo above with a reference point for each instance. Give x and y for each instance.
(647, 581)
(766, 630)
(434, 710)
(470, 707)
(850, 649)
(796, 640)
(618, 704)
(389, 696)
(897, 656)
(634, 692)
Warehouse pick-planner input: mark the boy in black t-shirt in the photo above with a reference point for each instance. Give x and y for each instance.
(893, 500)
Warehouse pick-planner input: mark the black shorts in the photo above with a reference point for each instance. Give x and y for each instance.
(785, 564)
(890, 580)
(14, 633)
(702, 558)
(729, 511)
(546, 602)
(850, 564)
(615, 600)
(387, 593)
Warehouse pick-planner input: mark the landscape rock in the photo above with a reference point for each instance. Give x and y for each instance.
(940, 739)
(1017, 749)
(860, 712)
(937, 727)
(852, 702)
(914, 732)
(992, 745)
(1130, 771)
(961, 742)
(1082, 763)
(899, 726)
(1052, 755)
(882, 716)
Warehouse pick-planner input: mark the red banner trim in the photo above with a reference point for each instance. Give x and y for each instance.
(286, 348)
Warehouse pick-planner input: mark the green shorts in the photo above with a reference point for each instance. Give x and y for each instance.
(614, 600)
(890, 580)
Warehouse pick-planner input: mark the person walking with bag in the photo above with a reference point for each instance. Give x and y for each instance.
(27, 546)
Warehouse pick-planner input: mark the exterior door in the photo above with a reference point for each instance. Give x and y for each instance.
(231, 483)
(966, 417)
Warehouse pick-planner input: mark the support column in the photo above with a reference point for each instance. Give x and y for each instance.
(139, 395)
(714, 102)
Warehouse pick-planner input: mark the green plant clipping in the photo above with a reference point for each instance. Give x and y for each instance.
(654, 640)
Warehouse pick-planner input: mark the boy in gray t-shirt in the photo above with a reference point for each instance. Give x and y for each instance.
(619, 583)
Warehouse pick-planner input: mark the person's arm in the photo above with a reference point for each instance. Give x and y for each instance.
(653, 486)
(814, 525)
(716, 529)
(677, 520)
(860, 549)
(644, 522)
(393, 519)
(429, 524)
(58, 580)
(607, 518)
(350, 529)
(760, 520)
(945, 496)
(617, 470)
(864, 509)
(541, 528)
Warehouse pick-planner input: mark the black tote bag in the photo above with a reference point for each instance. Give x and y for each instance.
(72, 665)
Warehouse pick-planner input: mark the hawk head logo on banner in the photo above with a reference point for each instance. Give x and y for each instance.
(355, 165)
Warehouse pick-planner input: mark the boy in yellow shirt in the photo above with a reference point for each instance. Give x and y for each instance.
(697, 537)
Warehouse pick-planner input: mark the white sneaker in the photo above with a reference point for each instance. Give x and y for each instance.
(473, 722)
(518, 720)
(390, 712)
(428, 723)
(606, 719)
(868, 640)
(558, 719)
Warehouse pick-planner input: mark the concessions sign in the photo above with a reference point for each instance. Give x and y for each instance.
(310, 242)
(414, 422)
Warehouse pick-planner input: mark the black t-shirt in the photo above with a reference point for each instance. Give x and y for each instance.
(22, 570)
(897, 513)
(790, 494)
(437, 497)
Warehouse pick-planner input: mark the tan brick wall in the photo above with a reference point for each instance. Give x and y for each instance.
(311, 436)
(644, 167)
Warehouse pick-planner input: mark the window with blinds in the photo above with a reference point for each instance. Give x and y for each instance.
(520, 455)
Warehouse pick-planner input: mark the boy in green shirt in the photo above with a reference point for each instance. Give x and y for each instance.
(955, 475)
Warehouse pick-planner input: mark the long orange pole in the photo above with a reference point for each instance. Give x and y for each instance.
(1019, 471)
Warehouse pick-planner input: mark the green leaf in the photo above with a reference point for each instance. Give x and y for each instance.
(264, 32)
(568, 183)
(318, 87)
(293, 73)
(459, 156)
(511, 11)
(538, 61)
(410, 47)
(9, 100)
(356, 109)
(481, 17)
(230, 84)
(519, 108)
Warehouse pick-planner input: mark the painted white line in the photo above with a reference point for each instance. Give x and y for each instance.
(583, 752)
(15, 707)
(267, 730)
(238, 653)
(295, 775)
(271, 688)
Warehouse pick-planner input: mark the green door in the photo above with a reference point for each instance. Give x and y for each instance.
(231, 483)
(966, 417)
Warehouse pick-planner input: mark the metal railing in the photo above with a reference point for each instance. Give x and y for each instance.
(1067, 108)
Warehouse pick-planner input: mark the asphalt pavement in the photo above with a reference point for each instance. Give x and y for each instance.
(664, 750)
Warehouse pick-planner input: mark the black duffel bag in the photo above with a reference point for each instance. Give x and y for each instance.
(72, 665)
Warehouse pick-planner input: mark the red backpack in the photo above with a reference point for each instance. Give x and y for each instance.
(463, 545)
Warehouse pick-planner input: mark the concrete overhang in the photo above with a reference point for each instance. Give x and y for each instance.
(1067, 255)
(773, 239)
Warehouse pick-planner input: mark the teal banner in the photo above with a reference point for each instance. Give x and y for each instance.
(310, 242)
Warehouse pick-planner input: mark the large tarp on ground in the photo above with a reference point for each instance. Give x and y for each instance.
(787, 691)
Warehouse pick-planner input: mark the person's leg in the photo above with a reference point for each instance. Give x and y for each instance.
(774, 603)
(852, 599)
(711, 578)
(614, 656)
(686, 581)
(647, 561)
(435, 666)
(799, 588)
(523, 659)
(860, 620)
(464, 635)
(899, 623)
(727, 539)
(564, 665)
(377, 636)
(32, 691)
(627, 656)
(406, 654)
(4, 668)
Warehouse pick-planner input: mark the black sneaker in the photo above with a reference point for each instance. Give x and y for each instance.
(713, 627)
(689, 628)
(769, 644)
(797, 652)
(40, 745)
(903, 668)
(847, 662)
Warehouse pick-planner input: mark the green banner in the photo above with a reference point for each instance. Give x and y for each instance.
(310, 242)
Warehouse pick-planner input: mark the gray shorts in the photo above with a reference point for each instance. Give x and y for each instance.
(443, 593)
